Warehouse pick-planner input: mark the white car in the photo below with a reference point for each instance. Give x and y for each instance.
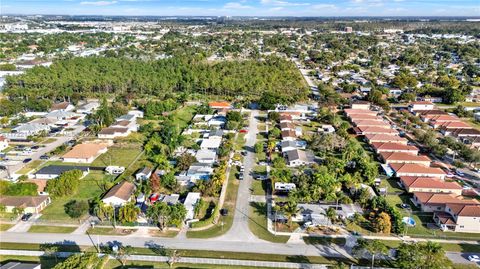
(474, 258)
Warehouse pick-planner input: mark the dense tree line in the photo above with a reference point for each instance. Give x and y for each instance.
(86, 77)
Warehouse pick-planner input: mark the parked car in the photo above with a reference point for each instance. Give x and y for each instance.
(474, 258)
(44, 157)
(26, 216)
(224, 212)
(459, 173)
(35, 147)
(405, 206)
(27, 160)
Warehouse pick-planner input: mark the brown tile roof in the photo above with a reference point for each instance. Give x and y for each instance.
(85, 151)
(357, 117)
(41, 183)
(429, 182)
(122, 190)
(349, 111)
(465, 210)
(219, 104)
(381, 146)
(59, 106)
(371, 123)
(285, 117)
(403, 156)
(455, 124)
(432, 112)
(385, 137)
(421, 103)
(285, 125)
(288, 133)
(444, 217)
(415, 168)
(122, 123)
(113, 130)
(466, 132)
(443, 118)
(23, 201)
(429, 198)
(376, 130)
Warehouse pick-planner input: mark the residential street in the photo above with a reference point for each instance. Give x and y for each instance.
(240, 230)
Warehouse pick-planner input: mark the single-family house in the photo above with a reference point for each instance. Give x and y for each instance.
(420, 106)
(282, 187)
(372, 122)
(113, 132)
(402, 157)
(459, 218)
(289, 135)
(416, 170)
(285, 118)
(30, 204)
(64, 106)
(31, 129)
(136, 113)
(199, 171)
(144, 173)
(287, 126)
(298, 157)
(171, 199)
(430, 184)
(350, 111)
(132, 126)
(88, 108)
(190, 202)
(220, 105)
(54, 171)
(85, 153)
(119, 194)
(206, 156)
(211, 144)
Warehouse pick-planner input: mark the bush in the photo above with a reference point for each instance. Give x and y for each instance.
(76, 209)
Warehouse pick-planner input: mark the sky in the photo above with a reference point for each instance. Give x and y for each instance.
(244, 7)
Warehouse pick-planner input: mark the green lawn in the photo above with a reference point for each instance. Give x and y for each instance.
(259, 187)
(182, 116)
(225, 222)
(257, 222)
(51, 229)
(118, 156)
(90, 186)
(5, 226)
(29, 167)
(110, 231)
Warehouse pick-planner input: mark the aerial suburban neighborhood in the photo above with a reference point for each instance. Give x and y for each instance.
(239, 142)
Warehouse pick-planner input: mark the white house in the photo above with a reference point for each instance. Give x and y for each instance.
(190, 202)
(298, 157)
(143, 174)
(31, 129)
(211, 143)
(420, 105)
(119, 194)
(88, 108)
(64, 106)
(136, 113)
(206, 156)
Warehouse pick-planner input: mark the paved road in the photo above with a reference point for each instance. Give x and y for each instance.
(213, 244)
(240, 230)
(43, 150)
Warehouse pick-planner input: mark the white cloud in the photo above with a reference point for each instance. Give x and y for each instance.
(281, 3)
(275, 9)
(98, 3)
(235, 5)
(324, 6)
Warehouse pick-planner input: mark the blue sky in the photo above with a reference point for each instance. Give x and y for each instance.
(245, 7)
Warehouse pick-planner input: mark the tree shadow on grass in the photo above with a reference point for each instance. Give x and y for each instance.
(298, 259)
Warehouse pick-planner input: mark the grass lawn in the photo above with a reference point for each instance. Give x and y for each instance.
(391, 185)
(225, 222)
(183, 116)
(239, 142)
(117, 156)
(257, 223)
(259, 187)
(51, 229)
(110, 231)
(167, 233)
(7, 216)
(29, 167)
(90, 186)
(5, 226)
(48, 141)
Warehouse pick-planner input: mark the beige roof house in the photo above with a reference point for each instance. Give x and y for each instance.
(119, 194)
(30, 204)
(430, 184)
(85, 153)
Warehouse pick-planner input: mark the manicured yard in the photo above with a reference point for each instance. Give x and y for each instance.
(51, 229)
(257, 223)
(91, 186)
(118, 156)
(110, 231)
(183, 116)
(158, 233)
(29, 167)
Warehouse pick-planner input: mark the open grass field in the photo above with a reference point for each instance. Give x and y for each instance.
(119, 156)
(257, 223)
(51, 229)
(259, 187)
(110, 231)
(5, 226)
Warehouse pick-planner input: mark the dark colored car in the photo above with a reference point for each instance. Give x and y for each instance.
(35, 147)
(224, 212)
(27, 216)
(44, 157)
(27, 160)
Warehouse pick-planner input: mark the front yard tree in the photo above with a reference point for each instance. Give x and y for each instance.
(382, 223)
(75, 209)
(422, 256)
(128, 213)
(370, 247)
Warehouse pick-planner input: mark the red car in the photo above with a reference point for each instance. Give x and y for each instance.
(154, 197)
(243, 131)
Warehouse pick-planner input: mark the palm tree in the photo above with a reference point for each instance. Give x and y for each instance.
(372, 247)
